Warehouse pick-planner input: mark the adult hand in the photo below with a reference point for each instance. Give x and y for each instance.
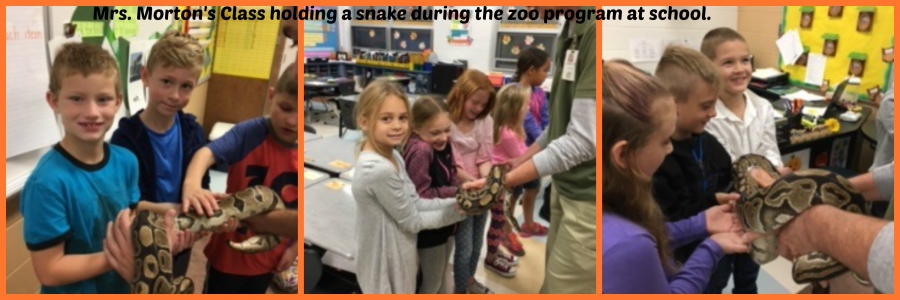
(515, 162)
(721, 218)
(794, 239)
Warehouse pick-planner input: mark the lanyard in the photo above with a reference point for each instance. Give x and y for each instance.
(699, 159)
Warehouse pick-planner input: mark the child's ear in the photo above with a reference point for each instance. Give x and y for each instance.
(618, 154)
(52, 103)
(362, 123)
(145, 75)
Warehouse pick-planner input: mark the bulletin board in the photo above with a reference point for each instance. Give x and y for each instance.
(857, 40)
(366, 37)
(319, 37)
(413, 40)
(244, 48)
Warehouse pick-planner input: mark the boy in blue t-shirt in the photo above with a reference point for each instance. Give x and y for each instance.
(82, 183)
(163, 137)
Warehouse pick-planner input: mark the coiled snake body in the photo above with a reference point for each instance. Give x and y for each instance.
(153, 259)
(479, 201)
(766, 210)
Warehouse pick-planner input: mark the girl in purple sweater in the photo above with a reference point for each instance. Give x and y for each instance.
(638, 121)
(531, 71)
(429, 163)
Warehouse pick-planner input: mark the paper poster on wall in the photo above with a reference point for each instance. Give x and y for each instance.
(645, 50)
(29, 120)
(136, 100)
(839, 150)
(127, 28)
(798, 160)
(815, 69)
(459, 34)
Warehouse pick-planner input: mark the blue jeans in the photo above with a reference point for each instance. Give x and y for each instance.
(469, 239)
(745, 270)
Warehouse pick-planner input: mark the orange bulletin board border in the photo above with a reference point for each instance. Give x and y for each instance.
(439, 3)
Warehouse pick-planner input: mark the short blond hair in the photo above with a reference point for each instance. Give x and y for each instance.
(716, 37)
(176, 49)
(82, 59)
(681, 67)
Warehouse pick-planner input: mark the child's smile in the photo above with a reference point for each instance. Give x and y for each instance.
(87, 106)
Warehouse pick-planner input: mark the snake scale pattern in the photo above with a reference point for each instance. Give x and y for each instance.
(153, 258)
(766, 210)
(479, 201)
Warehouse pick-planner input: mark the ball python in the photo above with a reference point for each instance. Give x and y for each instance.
(479, 201)
(153, 259)
(767, 210)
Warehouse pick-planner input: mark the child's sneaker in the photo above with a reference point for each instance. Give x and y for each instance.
(511, 243)
(511, 260)
(534, 230)
(478, 288)
(499, 266)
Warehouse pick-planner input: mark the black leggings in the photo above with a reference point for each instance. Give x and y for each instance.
(218, 282)
(180, 263)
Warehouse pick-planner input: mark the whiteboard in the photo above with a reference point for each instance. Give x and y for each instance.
(30, 123)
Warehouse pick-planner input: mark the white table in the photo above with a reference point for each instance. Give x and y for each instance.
(348, 175)
(329, 221)
(311, 177)
(320, 154)
(310, 137)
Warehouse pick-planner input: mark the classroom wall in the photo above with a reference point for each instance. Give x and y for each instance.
(618, 34)
(478, 54)
(759, 25)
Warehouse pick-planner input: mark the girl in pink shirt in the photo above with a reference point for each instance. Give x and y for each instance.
(471, 101)
(509, 143)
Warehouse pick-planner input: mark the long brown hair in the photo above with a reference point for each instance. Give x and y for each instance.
(510, 101)
(467, 84)
(629, 96)
(370, 102)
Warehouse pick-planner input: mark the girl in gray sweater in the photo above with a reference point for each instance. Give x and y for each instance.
(389, 210)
